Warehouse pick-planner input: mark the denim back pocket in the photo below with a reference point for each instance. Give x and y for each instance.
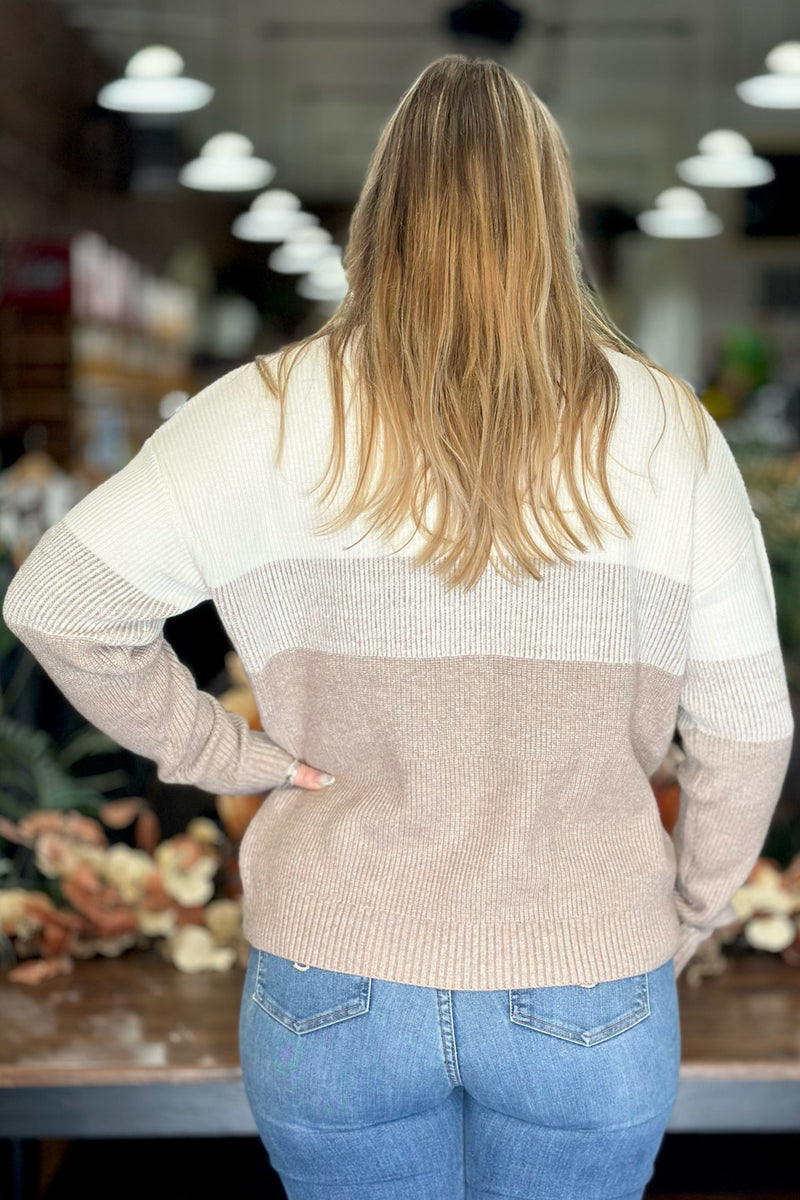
(586, 1015)
(304, 998)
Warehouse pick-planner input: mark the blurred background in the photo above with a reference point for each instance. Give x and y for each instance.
(176, 180)
(176, 184)
(144, 252)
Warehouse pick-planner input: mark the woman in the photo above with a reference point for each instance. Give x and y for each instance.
(465, 946)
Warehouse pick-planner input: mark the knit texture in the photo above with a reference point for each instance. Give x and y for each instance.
(492, 823)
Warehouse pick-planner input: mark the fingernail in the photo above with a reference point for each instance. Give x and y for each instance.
(324, 778)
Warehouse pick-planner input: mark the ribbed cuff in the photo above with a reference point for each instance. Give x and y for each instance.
(267, 763)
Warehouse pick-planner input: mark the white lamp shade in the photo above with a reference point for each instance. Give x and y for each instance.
(327, 281)
(235, 175)
(679, 213)
(303, 250)
(173, 94)
(779, 89)
(226, 163)
(263, 225)
(726, 159)
(733, 172)
(154, 62)
(784, 59)
(770, 91)
(658, 223)
(724, 142)
(276, 199)
(153, 83)
(227, 145)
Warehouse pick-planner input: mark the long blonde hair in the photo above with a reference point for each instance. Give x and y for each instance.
(476, 345)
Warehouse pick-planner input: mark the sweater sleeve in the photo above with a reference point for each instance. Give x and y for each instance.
(90, 602)
(734, 716)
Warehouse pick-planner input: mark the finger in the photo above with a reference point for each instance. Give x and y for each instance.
(309, 777)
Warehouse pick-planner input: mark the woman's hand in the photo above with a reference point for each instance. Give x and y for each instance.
(300, 774)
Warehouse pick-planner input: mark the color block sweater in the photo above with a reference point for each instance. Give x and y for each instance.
(492, 823)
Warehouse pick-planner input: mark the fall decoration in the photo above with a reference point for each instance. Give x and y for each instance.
(767, 907)
(118, 896)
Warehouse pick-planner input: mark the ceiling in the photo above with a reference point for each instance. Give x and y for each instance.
(633, 83)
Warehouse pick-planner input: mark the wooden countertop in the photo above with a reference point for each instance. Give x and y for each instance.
(743, 1024)
(132, 1019)
(136, 1019)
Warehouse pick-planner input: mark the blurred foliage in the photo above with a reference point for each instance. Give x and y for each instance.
(773, 485)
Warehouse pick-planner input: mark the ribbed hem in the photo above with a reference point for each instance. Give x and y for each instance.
(335, 936)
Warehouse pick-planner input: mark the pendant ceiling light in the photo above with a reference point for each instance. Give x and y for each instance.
(679, 213)
(227, 164)
(726, 159)
(153, 83)
(271, 217)
(779, 89)
(327, 281)
(302, 250)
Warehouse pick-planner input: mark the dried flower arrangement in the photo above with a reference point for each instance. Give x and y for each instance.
(119, 896)
(768, 918)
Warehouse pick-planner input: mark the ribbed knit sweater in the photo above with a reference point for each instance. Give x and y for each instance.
(492, 823)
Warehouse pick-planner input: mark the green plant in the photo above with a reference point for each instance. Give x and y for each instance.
(36, 770)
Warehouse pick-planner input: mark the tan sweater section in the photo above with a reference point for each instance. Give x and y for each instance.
(492, 823)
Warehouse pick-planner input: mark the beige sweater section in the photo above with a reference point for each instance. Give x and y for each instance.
(492, 823)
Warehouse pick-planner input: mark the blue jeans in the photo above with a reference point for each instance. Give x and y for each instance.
(365, 1089)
